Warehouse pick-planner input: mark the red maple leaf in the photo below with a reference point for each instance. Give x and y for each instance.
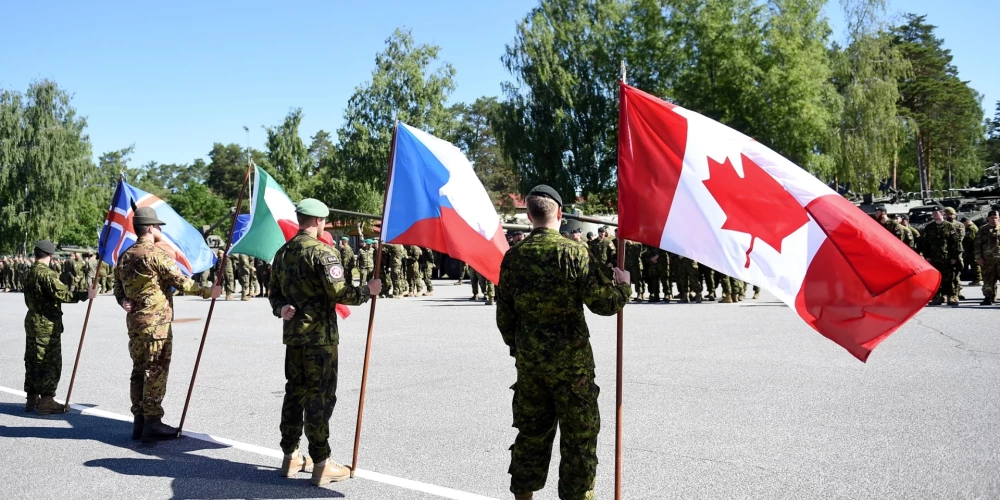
(755, 204)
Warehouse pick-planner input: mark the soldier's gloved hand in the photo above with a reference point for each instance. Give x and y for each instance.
(128, 305)
(375, 286)
(622, 276)
(91, 293)
(216, 291)
(288, 312)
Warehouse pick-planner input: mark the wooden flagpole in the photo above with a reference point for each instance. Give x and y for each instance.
(371, 312)
(90, 303)
(218, 279)
(618, 369)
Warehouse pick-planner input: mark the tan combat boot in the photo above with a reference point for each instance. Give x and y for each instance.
(329, 471)
(48, 406)
(229, 296)
(244, 297)
(295, 463)
(430, 293)
(32, 403)
(475, 297)
(756, 294)
(726, 299)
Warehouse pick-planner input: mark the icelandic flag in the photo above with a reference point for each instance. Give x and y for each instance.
(435, 200)
(181, 240)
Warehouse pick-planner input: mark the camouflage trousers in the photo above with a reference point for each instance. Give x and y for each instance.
(398, 279)
(707, 274)
(43, 363)
(366, 274)
(229, 283)
(310, 392)
(637, 282)
(949, 276)
(150, 367)
(480, 282)
(732, 286)
(972, 265)
(414, 280)
(991, 273)
(540, 403)
(688, 278)
(657, 277)
(427, 270)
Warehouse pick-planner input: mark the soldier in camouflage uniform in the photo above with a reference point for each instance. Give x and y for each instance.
(228, 275)
(89, 270)
(307, 281)
(347, 257)
(106, 276)
(950, 217)
(396, 270)
(240, 266)
(969, 250)
(941, 245)
(633, 264)
(263, 276)
(882, 217)
(656, 268)
(707, 274)
(144, 277)
(914, 237)
(987, 255)
(366, 262)
(478, 282)
(544, 284)
(414, 280)
(44, 295)
(688, 279)
(427, 269)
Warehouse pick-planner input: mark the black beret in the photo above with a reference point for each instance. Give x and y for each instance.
(992, 213)
(590, 234)
(45, 246)
(578, 230)
(547, 192)
(880, 208)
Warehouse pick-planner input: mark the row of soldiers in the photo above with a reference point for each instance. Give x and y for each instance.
(76, 272)
(953, 246)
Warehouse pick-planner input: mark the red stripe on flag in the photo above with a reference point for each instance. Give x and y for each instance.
(651, 143)
(450, 234)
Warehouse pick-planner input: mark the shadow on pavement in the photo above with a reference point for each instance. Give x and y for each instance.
(194, 475)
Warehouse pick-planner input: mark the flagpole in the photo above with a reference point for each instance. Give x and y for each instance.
(371, 312)
(90, 302)
(218, 279)
(618, 369)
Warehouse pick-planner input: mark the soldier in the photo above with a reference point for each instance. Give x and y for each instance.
(427, 269)
(633, 264)
(951, 218)
(105, 277)
(577, 235)
(240, 266)
(969, 250)
(882, 217)
(347, 257)
(942, 247)
(263, 276)
(655, 266)
(144, 276)
(414, 280)
(66, 276)
(228, 275)
(398, 277)
(89, 270)
(544, 284)
(307, 281)
(913, 240)
(688, 280)
(44, 295)
(480, 282)
(987, 255)
(366, 262)
(708, 275)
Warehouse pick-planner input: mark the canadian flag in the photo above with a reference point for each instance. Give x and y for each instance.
(692, 186)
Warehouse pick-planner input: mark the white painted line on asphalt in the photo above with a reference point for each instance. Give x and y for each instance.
(440, 491)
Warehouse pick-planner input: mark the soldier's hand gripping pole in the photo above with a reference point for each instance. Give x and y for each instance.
(211, 307)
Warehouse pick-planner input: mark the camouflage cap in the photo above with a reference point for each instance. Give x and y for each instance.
(45, 246)
(313, 208)
(146, 216)
(949, 211)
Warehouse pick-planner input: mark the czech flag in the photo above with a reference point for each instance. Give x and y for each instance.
(436, 201)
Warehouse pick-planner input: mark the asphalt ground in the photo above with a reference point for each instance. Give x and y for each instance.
(721, 401)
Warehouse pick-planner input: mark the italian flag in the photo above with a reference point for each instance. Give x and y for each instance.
(272, 223)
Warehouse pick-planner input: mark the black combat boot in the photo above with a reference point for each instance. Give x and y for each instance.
(32, 403)
(154, 430)
(987, 301)
(137, 423)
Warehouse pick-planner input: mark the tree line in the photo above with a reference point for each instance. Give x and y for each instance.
(885, 110)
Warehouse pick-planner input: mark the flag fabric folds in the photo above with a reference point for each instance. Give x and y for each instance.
(692, 186)
(435, 200)
(271, 222)
(181, 240)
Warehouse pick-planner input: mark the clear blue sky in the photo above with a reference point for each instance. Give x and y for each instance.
(174, 77)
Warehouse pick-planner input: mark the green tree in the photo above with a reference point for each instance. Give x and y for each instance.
(288, 155)
(992, 150)
(226, 169)
(477, 138)
(945, 112)
(44, 158)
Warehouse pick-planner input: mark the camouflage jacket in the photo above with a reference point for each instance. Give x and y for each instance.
(545, 280)
(427, 257)
(145, 275)
(308, 275)
(414, 253)
(366, 258)
(988, 243)
(941, 242)
(347, 256)
(969, 241)
(599, 250)
(44, 295)
(633, 254)
(90, 268)
(895, 228)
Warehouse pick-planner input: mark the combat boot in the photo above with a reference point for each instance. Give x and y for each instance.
(229, 296)
(489, 302)
(697, 298)
(976, 283)
(654, 298)
(684, 299)
(726, 299)
(295, 463)
(523, 496)
(329, 471)
(429, 294)
(953, 301)
(937, 300)
(244, 297)
(987, 301)
(155, 430)
(32, 403)
(48, 406)
(138, 421)
(756, 295)
(710, 297)
(475, 297)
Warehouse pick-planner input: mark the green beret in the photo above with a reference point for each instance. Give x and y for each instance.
(345, 238)
(313, 208)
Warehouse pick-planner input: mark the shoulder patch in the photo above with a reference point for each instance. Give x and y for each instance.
(337, 272)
